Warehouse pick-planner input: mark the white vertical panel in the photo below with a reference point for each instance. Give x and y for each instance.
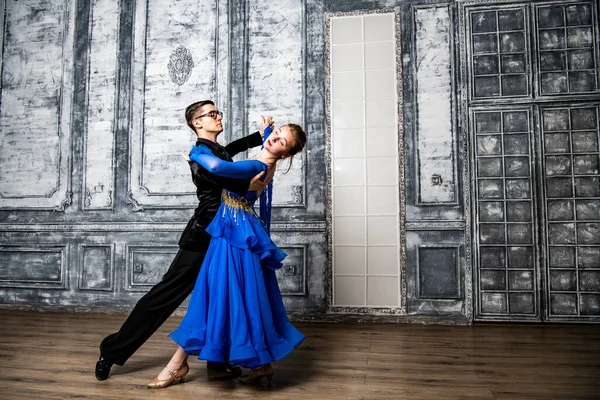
(365, 202)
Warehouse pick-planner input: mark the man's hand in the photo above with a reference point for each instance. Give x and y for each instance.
(264, 122)
(256, 185)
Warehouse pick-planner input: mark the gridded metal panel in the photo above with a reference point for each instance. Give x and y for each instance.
(567, 48)
(554, 70)
(499, 53)
(572, 200)
(505, 220)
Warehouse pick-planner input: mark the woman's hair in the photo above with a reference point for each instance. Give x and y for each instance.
(299, 138)
(299, 141)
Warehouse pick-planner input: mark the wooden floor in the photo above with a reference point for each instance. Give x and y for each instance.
(52, 356)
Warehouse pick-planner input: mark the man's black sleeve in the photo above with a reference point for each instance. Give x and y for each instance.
(243, 144)
(239, 186)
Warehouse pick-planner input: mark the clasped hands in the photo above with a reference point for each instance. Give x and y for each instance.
(264, 122)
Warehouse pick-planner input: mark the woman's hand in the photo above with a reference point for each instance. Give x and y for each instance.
(256, 184)
(264, 122)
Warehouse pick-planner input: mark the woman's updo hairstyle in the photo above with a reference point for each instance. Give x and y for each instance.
(299, 141)
(299, 138)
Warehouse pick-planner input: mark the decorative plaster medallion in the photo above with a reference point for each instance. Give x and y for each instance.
(180, 65)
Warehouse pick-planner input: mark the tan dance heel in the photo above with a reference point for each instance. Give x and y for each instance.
(175, 375)
(256, 374)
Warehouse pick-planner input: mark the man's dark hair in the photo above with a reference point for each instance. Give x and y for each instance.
(191, 110)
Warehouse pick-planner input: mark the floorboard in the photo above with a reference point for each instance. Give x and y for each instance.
(47, 355)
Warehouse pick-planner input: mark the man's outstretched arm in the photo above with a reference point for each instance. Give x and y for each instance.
(243, 144)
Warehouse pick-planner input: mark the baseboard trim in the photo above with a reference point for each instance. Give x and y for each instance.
(327, 317)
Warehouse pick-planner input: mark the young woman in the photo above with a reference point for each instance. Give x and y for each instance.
(237, 315)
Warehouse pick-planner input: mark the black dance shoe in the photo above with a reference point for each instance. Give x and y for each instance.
(103, 367)
(217, 371)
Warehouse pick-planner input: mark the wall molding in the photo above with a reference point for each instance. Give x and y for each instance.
(330, 317)
(145, 227)
(435, 225)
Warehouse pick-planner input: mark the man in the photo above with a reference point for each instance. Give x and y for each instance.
(159, 303)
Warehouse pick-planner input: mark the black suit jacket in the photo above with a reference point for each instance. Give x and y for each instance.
(209, 188)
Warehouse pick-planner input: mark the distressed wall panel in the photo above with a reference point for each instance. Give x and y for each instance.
(435, 273)
(99, 136)
(437, 247)
(436, 143)
(224, 58)
(35, 128)
(276, 81)
(571, 168)
(303, 276)
(33, 266)
(146, 265)
(97, 267)
(292, 275)
(438, 270)
(175, 64)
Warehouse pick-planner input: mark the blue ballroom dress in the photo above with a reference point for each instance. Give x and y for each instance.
(236, 314)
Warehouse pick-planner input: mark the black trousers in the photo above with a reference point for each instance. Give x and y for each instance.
(154, 308)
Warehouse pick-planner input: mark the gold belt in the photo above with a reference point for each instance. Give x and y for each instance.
(236, 202)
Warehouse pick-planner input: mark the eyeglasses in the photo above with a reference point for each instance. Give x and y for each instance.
(214, 114)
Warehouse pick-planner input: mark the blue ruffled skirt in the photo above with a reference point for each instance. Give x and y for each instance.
(236, 314)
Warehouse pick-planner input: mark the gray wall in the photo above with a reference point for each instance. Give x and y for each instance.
(499, 121)
(93, 191)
